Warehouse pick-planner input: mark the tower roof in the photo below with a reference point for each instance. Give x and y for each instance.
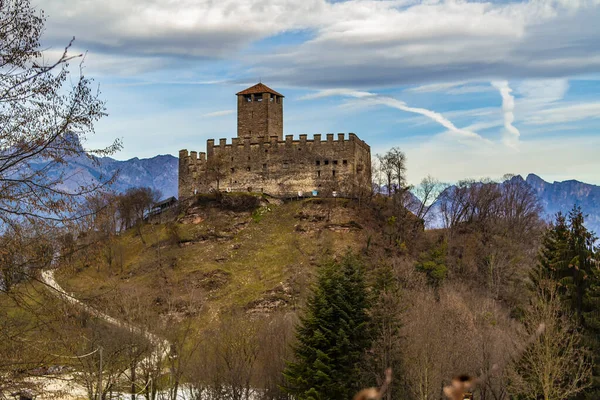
(259, 88)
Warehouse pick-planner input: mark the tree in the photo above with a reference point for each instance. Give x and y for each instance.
(427, 192)
(332, 335)
(134, 206)
(554, 365)
(392, 167)
(385, 350)
(433, 264)
(570, 257)
(397, 163)
(45, 115)
(216, 170)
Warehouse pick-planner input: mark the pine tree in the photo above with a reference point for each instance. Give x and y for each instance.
(570, 257)
(555, 243)
(332, 335)
(591, 339)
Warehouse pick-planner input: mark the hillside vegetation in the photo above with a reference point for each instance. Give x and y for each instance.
(215, 257)
(224, 280)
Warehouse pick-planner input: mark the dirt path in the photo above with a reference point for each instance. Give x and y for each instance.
(162, 346)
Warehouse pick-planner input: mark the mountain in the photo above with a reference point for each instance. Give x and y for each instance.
(554, 197)
(158, 172)
(561, 196)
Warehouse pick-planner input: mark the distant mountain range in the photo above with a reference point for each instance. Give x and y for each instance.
(561, 196)
(161, 173)
(158, 172)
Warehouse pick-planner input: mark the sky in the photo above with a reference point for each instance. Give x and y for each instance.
(467, 89)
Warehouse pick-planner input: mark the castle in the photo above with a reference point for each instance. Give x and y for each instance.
(259, 159)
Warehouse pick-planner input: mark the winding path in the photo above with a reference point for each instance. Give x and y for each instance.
(162, 346)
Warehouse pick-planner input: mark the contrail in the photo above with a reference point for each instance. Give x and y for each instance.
(435, 116)
(399, 105)
(511, 133)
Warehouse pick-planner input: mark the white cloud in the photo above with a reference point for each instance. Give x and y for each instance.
(543, 91)
(218, 113)
(435, 87)
(511, 134)
(336, 92)
(355, 42)
(565, 113)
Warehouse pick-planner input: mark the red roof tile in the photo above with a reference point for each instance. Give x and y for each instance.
(259, 88)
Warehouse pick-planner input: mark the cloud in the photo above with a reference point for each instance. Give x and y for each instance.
(511, 133)
(336, 92)
(456, 88)
(565, 113)
(435, 87)
(218, 113)
(354, 43)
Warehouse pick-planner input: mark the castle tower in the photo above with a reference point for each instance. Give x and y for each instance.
(260, 113)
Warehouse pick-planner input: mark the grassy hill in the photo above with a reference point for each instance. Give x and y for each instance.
(256, 254)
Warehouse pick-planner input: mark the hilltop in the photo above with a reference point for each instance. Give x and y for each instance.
(245, 252)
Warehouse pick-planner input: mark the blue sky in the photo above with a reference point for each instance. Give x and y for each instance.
(466, 89)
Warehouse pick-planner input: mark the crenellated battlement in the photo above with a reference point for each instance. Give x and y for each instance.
(327, 139)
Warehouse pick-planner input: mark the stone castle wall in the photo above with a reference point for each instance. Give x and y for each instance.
(278, 167)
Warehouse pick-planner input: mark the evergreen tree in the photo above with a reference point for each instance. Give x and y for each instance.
(570, 257)
(555, 243)
(332, 335)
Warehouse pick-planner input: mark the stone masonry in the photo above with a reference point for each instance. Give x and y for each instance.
(260, 159)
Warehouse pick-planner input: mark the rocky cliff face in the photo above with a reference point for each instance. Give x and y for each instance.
(561, 196)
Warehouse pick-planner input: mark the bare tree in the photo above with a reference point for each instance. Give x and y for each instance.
(427, 192)
(216, 170)
(555, 366)
(43, 123)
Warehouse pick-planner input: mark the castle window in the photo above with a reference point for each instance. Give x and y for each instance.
(248, 158)
(345, 162)
(326, 162)
(232, 170)
(231, 158)
(266, 150)
(278, 99)
(258, 97)
(318, 162)
(334, 162)
(271, 98)
(286, 165)
(333, 172)
(318, 174)
(248, 97)
(264, 166)
(248, 168)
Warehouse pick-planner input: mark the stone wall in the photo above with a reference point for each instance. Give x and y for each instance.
(260, 115)
(278, 167)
